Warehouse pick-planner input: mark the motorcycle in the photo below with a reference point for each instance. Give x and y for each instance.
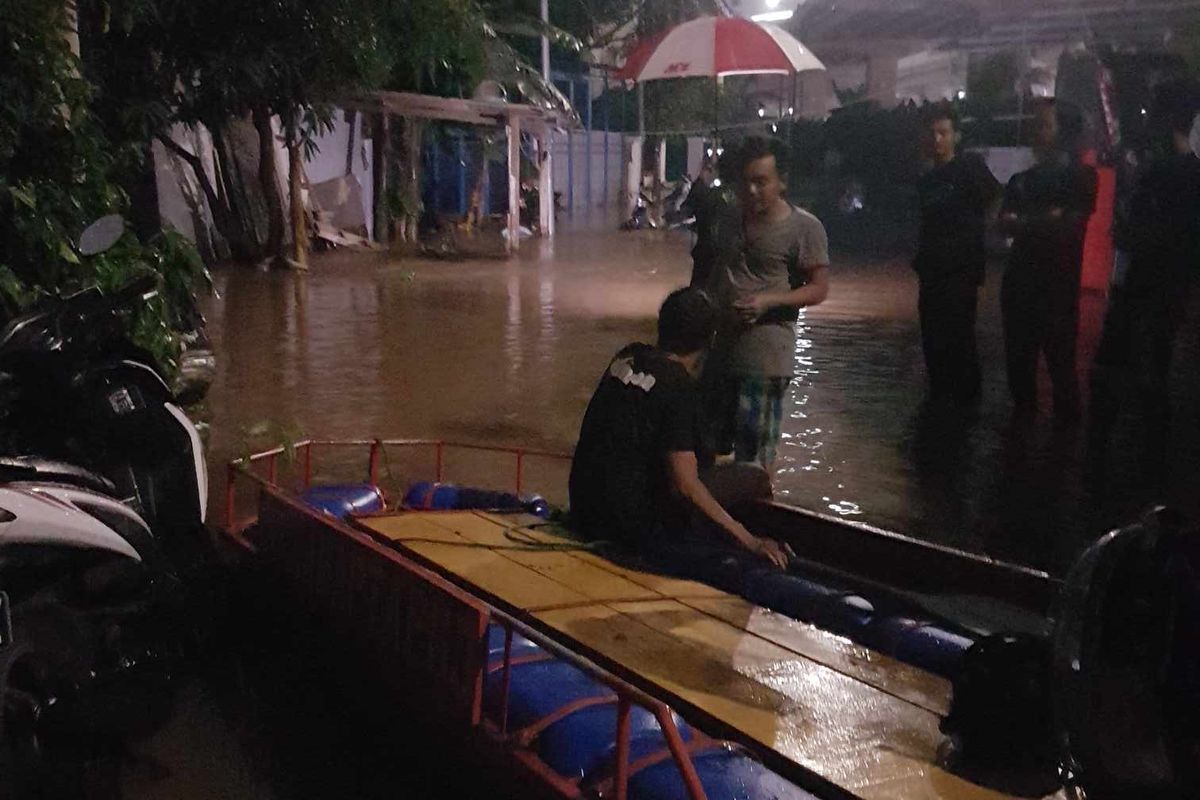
(674, 212)
(103, 493)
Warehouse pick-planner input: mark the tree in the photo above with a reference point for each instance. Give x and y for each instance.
(213, 64)
(58, 173)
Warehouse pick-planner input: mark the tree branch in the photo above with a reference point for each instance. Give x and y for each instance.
(197, 168)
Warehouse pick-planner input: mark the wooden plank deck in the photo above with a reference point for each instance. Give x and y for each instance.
(856, 718)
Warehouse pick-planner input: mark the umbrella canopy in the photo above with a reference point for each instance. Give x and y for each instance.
(717, 46)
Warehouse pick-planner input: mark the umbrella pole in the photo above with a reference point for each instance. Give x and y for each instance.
(716, 111)
(641, 101)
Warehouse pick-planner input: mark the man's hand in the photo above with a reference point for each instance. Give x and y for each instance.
(752, 306)
(771, 550)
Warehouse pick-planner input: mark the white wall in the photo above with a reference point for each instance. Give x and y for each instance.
(181, 202)
(178, 190)
(575, 147)
(329, 163)
(931, 75)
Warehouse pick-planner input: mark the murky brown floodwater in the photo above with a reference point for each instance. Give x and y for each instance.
(508, 352)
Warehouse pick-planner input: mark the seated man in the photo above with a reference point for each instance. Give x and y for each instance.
(635, 479)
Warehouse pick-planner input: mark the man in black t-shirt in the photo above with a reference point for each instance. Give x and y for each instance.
(1153, 300)
(955, 196)
(635, 478)
(704, 201)
(1046, 210)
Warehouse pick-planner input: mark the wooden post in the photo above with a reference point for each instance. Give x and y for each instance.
(296, 199)
(380, 168)
(512, 129)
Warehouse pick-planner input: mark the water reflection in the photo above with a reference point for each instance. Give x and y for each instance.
(509, 352)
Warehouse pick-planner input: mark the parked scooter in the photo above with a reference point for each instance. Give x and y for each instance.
(103, 489)
(674, 214)
(75, 389)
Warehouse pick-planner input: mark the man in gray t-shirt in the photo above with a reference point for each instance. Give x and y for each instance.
(779, 267)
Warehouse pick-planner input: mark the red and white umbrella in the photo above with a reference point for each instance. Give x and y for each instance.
(714, 47)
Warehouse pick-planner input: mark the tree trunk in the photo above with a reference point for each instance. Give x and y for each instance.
(268, 177)
(409, 176)
(381, 160)
(296, 197)
(352, 123)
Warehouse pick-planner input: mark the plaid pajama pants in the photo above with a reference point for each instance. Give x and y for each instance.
(754, 415)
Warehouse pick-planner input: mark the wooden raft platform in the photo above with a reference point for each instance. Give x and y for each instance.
(856, 718)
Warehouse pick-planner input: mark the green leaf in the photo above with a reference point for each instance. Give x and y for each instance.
(67, 254)
(23, 196)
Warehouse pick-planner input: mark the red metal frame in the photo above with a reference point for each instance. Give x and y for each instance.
(626, 694)
(245, 468)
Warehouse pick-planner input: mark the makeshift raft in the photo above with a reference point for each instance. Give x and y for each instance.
(593, 678)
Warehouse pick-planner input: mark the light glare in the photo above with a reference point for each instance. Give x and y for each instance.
(773, 16)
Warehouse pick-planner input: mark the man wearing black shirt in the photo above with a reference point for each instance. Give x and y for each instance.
(1158, 237)
(1046, 209)
(635, 478)
(955, 196)
(704, 201)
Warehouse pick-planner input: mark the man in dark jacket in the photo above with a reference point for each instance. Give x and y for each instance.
(955, 197)
(1046, 210)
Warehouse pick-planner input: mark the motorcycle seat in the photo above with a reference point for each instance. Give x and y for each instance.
(23, 468)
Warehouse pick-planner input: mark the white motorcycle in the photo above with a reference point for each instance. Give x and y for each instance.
(103, 489)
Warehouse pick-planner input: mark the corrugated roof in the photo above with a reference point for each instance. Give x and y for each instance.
(992, 24)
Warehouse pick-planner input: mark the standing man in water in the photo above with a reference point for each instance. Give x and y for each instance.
(705, 202)
(955, 197)
(779, 267)
(1046, 210)
(1152, 304)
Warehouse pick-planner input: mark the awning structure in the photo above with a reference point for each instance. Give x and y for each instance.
(512, 117)
(470, 112)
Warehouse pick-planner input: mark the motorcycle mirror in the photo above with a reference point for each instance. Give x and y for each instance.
(101, 235)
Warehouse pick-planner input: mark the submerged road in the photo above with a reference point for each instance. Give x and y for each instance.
(508, 352)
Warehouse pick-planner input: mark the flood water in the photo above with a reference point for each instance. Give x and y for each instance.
(508, 352)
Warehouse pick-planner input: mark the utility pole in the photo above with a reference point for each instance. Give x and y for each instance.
(545, 41)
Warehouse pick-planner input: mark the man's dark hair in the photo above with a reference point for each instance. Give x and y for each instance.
(937, 112)
(756, 147)
(1176, 104)
(686, 321)
(1069, 117)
